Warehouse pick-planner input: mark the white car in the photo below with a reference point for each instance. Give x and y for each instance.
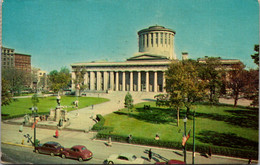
(124, 158)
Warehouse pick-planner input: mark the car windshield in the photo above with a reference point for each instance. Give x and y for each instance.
(134, 157)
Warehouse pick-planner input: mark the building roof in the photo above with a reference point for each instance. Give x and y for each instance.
(20, 54)
(6, 48)
(156, 28)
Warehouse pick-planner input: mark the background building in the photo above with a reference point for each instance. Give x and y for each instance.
(22, 62)
(7, 57)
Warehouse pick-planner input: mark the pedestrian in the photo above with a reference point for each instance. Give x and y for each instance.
(150, 154)
(92, 106)
(129, 138)
(209, 152)
(109, 141)
(56, 133)
(77, 103)
(21, 128)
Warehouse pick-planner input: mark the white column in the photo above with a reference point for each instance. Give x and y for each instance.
(98, 81)
(131, 81)
(164, 81)
(117, 80)
(86, 78)
(111, 80)
(73, 77)
(92, 80)
(147, 81)
(139, 81)
(155, 82)
(123, 81)
(105, 80)
(149, 40)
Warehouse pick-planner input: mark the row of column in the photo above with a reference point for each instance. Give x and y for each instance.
(156, 39)
(117, 81)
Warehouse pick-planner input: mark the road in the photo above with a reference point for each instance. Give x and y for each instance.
(11, 135)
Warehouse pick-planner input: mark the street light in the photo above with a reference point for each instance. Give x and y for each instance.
(34, 113)
(185, 121)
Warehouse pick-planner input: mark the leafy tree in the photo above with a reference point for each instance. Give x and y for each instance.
(128, 101)
(252, 87)
(59, 80)
(162, 100)
(237, 81)
(5, 94)
(35, 100)
(79, 79)
(183, 85)
(211, 72)
(17, 79)
(256, 55)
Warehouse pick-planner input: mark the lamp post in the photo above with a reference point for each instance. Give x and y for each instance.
(193, 153)
(34, 112)
(185, 121)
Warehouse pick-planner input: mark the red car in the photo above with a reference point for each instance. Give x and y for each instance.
(52, 148)
(79, 152)
(171, 162)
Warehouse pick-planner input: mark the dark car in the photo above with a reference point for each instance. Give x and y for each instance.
(79, 152)
(52, 148)
(171, 162)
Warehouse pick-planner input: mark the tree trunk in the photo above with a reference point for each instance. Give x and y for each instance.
(235, 100)
(178, 116)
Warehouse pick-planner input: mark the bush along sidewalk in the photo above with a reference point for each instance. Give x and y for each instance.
(105, 132)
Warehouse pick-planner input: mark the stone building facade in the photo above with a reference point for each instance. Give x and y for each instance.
(142, 72)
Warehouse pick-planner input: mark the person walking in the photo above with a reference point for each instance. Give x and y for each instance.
(150, 154)
(109, 141)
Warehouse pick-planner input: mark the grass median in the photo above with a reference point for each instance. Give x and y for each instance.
(21, 106)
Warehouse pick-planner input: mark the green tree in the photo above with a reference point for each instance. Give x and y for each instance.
(79, 79)
(16, 78)
(35, 100)
(5, 93)
(128, 101)
(183, 85)
(59, 80)
(256, 55)
(211, 72)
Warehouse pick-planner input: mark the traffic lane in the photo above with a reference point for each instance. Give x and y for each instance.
(23, 155)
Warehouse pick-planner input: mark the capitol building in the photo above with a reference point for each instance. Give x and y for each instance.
(142, 72)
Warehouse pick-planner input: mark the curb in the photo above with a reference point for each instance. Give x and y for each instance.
(190, 152)
(20, 145)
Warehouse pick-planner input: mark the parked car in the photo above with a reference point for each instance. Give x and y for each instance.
(172, 161)
(52, 148)
(79, 152)
(124, 158)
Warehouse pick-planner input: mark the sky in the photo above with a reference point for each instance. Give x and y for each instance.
(58, 33)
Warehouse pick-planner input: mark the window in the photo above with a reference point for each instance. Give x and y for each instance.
(165, 38)
(143, 39)
(152, 39)
(147, 40)
(157, 38)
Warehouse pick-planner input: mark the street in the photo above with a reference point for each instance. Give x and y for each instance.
(10, 134)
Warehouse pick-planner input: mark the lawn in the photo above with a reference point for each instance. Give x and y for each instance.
(22, 106)
(215, 125)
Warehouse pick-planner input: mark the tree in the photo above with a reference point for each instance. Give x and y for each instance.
(5, 93)
(252, 86)
(17, 79)
(256, 55)
(128, 101)
(79, 79)
(183, 85)
(162, 100)
(59, 80)
(35, 100)
(211, 72)
(237, 81)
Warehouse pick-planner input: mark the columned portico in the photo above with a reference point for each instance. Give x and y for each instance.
(139, 81)
(131, 81)
(117, 81)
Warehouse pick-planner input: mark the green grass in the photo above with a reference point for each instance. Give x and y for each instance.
(215, 125)
(21, 106)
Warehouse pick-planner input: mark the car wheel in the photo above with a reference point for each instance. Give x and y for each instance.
(52, 154)
(110, 162)
(80, 159)
(63, 156)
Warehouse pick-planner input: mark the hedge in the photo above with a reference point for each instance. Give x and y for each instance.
(235, 152)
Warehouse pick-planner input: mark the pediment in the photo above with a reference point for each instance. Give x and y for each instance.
(147, 57)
